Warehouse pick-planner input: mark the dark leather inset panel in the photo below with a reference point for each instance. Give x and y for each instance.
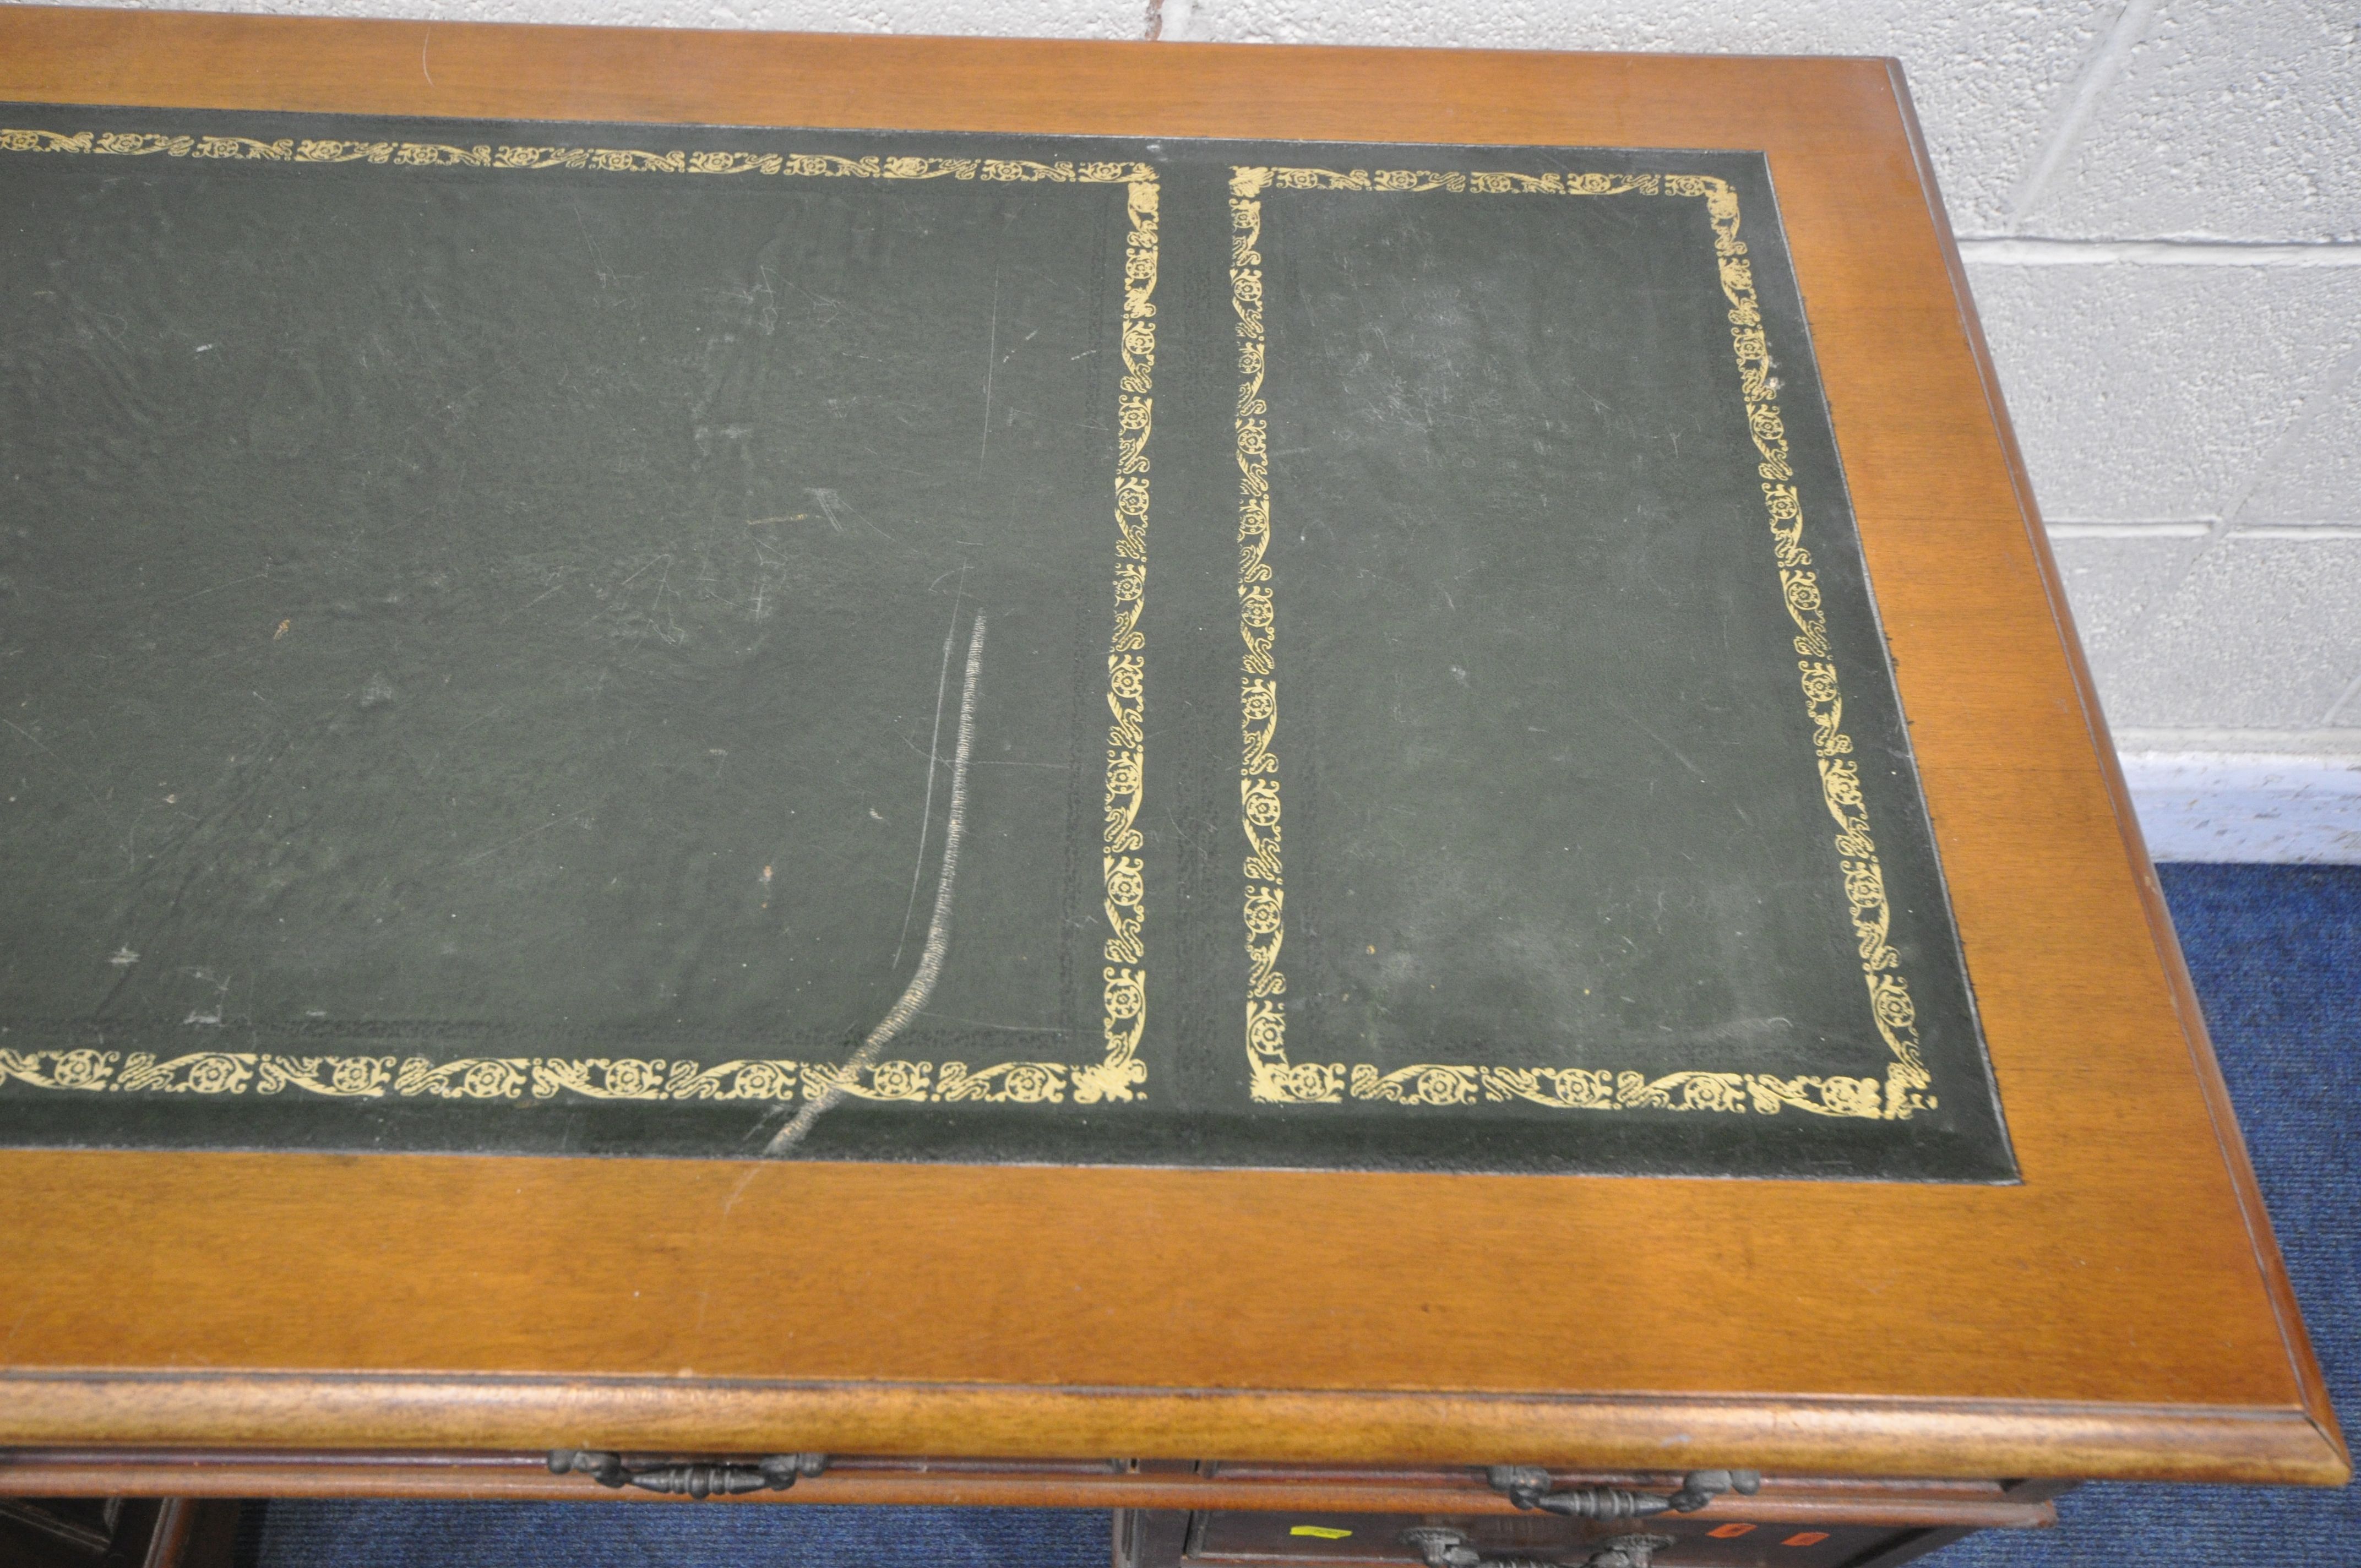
(599, 639)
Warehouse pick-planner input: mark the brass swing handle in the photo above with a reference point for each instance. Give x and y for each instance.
(697, 1479)
(1528, 1486)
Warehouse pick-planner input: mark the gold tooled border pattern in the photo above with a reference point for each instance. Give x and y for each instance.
(1274, 1079)
(1118, 1075)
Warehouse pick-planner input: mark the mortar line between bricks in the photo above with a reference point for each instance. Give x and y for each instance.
(2036, 250)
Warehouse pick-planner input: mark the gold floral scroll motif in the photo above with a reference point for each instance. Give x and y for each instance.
(1119, 1074)
(1273, 1077)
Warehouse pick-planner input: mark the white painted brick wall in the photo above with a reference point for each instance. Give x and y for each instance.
(2161, 203)
(2147, 392)
(2287, 665)
(2230, 119)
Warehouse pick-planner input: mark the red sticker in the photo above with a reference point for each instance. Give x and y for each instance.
(1806, 1537)
(1729, 1531)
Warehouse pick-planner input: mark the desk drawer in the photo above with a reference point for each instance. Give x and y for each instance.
(1239, 1540)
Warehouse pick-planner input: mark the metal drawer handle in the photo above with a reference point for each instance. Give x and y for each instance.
(705, 1478)
(1440, 1548)
(1528, 1486)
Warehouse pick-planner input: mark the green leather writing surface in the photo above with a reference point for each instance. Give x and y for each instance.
(644, 640)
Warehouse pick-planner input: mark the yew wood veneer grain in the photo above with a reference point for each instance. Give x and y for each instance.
(2122, 1312)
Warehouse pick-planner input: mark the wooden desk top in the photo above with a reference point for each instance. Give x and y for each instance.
(2122, 1312)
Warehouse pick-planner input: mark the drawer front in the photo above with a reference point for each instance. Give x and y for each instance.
(1244, 1539)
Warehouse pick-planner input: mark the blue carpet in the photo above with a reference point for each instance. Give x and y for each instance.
(668, 1535)
(2276, 953)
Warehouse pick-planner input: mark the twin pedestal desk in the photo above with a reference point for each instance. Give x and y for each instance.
(1338, 798)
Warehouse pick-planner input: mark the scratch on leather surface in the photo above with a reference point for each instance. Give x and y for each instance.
(938, 927)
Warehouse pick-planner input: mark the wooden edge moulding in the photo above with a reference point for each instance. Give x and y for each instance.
(477, 1419)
